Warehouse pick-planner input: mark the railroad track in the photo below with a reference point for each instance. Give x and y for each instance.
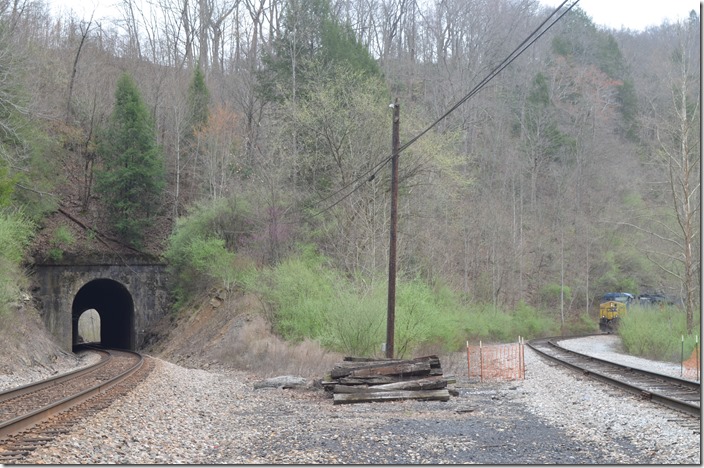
(33, 415)
(679, 394)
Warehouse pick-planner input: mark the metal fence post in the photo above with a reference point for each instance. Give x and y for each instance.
(682, 358)
(696, 348)
(481, 363)
(469, 367)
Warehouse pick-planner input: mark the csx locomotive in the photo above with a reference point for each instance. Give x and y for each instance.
(611, 307)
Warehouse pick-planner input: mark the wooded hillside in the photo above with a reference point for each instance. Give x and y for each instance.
(573, 172)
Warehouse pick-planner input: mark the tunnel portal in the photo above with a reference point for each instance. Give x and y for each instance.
(128, 294)
(114, 305)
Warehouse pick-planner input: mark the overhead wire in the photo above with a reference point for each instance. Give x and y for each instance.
(522, 47)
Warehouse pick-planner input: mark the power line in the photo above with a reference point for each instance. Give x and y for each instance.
(522, 47)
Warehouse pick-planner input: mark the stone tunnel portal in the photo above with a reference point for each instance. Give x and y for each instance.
(114, 305)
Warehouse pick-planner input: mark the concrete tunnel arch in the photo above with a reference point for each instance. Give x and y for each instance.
(114, 305)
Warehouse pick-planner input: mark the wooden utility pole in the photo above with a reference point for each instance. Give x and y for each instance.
(391, 311)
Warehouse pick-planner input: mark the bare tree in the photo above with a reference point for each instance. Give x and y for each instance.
(85, 30)
(676, 127)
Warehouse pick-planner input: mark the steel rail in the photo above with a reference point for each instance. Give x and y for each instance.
(21, 422)
(56, 380)
(688, 387)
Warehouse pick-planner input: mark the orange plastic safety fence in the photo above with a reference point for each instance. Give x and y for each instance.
(496, 362)
(692, 366)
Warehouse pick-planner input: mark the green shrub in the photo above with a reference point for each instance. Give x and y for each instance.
(56, 253)
(486, 323)
(550, 295)
(198, 252)
(310, 300)
(302, 292)
(422, 316)
(61, 239)
(15, 236)
(656, 333)
(356, 325)
(581, 325)
(63, 236)
(529, 323)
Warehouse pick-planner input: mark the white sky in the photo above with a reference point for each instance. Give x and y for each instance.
(632, 14)
(103, 9)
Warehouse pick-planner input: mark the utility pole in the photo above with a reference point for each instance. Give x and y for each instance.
(391, 311)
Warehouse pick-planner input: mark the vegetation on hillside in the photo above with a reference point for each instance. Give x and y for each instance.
(132, 175)
(243, 131)
(15, 237)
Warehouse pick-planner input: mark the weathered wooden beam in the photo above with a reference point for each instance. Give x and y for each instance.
(430, 383)
(369, 397)
(375, 380)
(351, 388)
(451, 379)
(354, 359)
(421, 384)
(343, 369)
(433, 360)
(403, 368)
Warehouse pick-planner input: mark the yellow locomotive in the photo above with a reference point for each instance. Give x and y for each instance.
(611, 307)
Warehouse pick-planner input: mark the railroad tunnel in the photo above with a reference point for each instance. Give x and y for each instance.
(115, 306)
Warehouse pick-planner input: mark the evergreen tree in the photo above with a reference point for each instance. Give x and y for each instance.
(132, 177)
(198, 101)
(312, 41)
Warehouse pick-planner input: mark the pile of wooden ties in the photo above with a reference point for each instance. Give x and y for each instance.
(361, 380)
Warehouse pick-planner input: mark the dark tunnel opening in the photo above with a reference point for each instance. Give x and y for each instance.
(113, 303)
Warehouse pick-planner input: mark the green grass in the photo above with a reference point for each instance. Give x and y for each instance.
(656, 333)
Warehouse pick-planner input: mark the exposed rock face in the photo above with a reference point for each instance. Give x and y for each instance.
(27, 351)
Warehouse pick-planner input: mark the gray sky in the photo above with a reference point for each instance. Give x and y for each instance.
(632, 14)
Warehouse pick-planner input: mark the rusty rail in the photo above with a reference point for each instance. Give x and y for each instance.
(18, 422)
(679, 394)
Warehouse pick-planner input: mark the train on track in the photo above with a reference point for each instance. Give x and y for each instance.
(612, 307)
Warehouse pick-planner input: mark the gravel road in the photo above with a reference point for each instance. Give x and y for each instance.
(181, 415)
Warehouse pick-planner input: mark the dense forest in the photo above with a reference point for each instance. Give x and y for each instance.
(544, 160)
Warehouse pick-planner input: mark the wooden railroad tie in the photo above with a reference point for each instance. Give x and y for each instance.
(362, 380)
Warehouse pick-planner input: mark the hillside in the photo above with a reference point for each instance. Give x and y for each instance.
(232, 333)
(27, 350)
(75, 229)
(530, 179)
(549, 176)
(217, 335)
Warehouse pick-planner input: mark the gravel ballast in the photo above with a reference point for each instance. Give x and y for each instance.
(181, 415)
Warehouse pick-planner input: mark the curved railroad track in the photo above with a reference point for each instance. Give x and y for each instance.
(34, 414)
(679, 394)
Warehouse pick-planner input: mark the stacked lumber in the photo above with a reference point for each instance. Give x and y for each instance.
(360, 380)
